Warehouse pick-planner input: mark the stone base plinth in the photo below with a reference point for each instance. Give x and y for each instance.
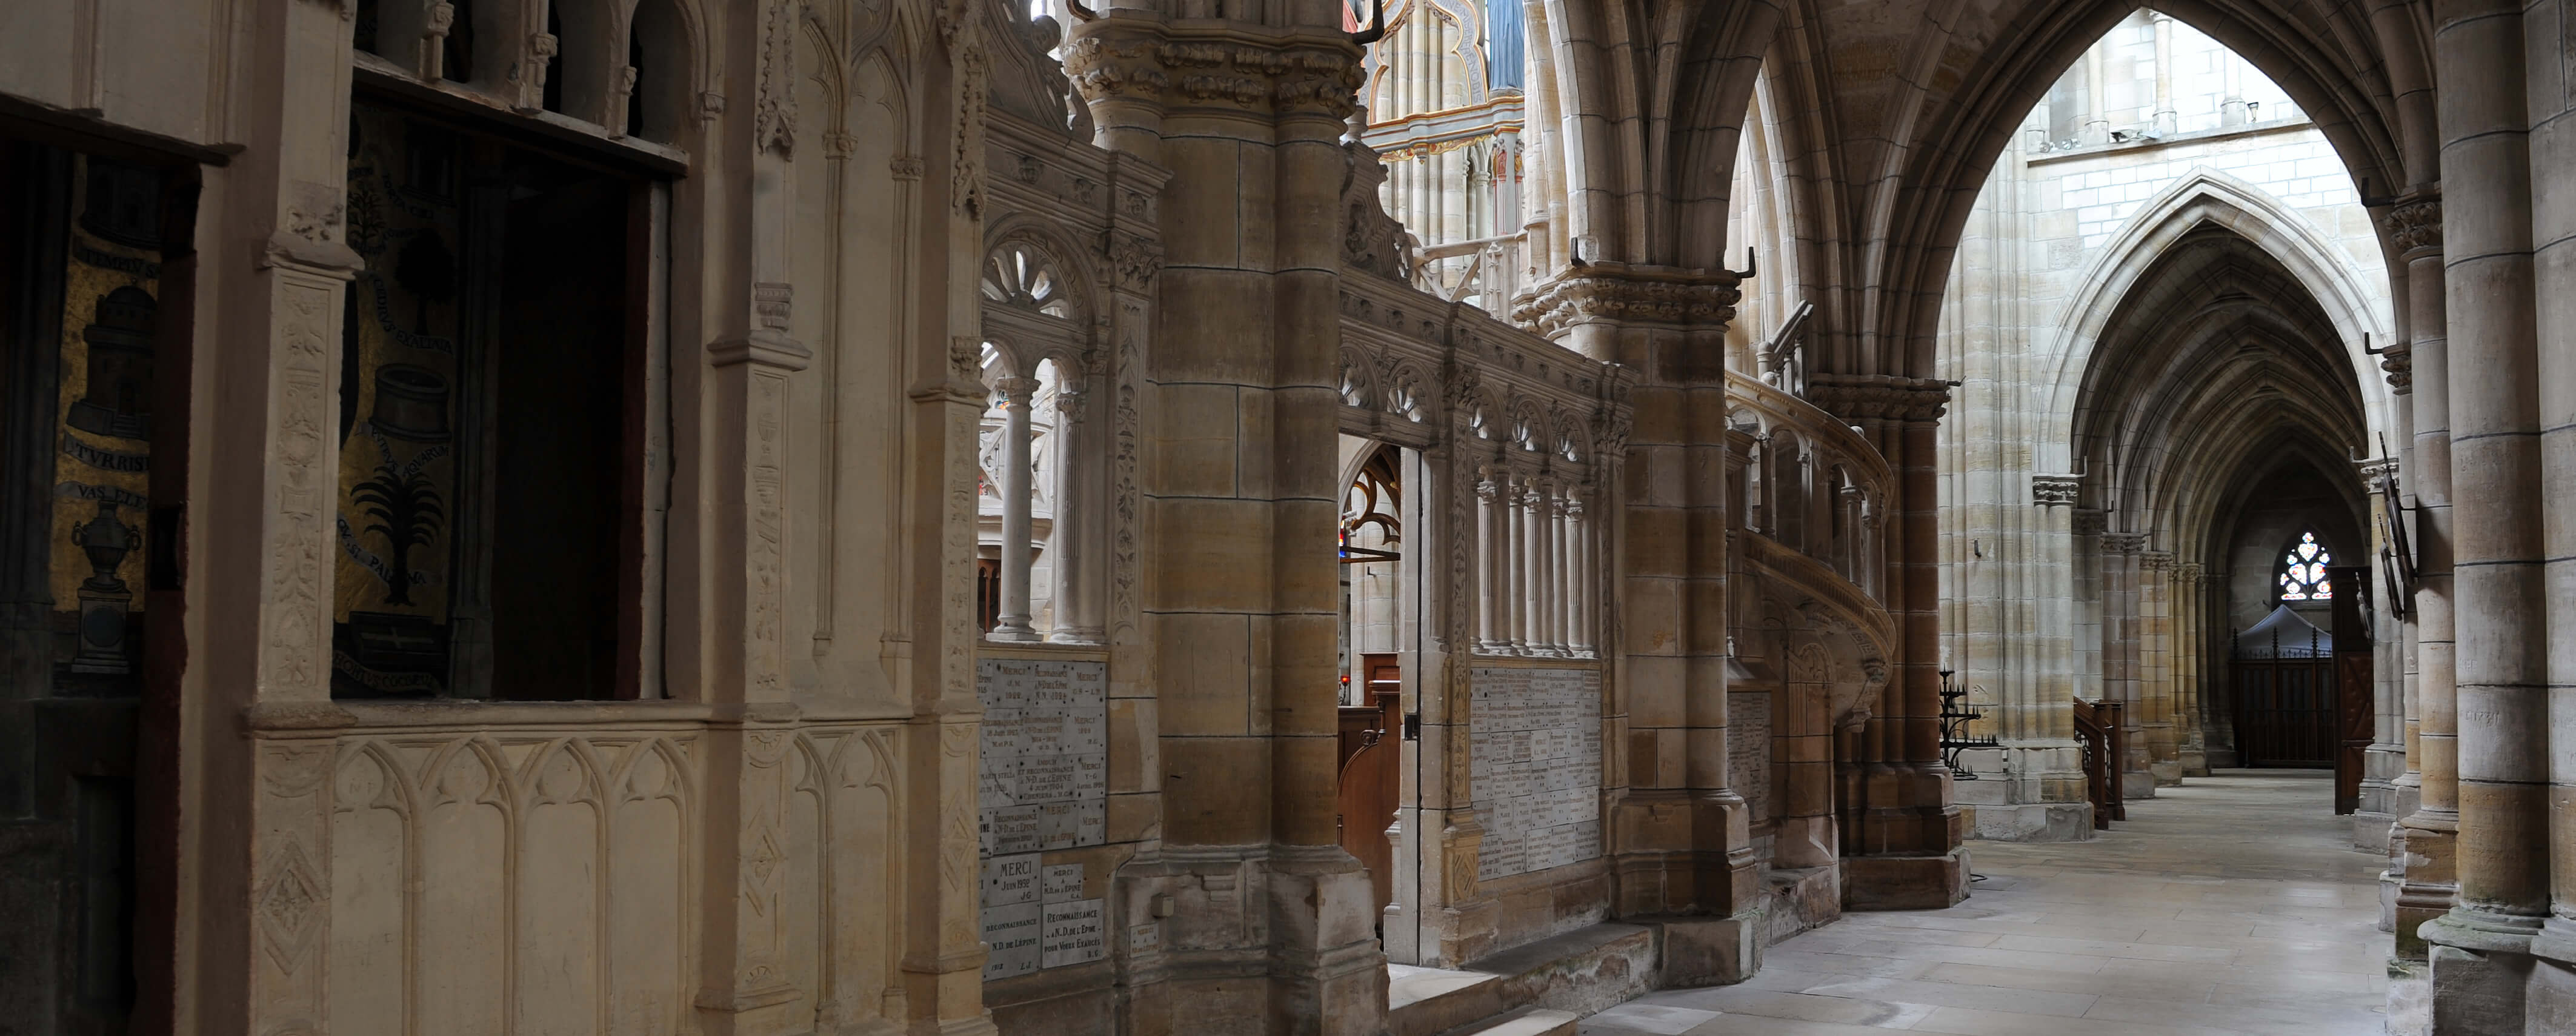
(1905, 882)
(2482, 968)
(2478, 993)
(2370, 831)
(1708, 951)
(1801, 899)
(2410, 998)
(2031, 822)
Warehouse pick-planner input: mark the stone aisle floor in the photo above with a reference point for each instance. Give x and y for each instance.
(2232, 905)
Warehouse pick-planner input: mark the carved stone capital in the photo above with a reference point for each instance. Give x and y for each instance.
(1017, 389)
(2156, 560)
(1621, 293)
(2188, 572)
(2376, 471)
(1610, 439)
(2124, 542)
(2415, 225)
(2089, 522)
(1861, 397)
(2398, 361)
(1142, 61)
(2055, 490)
(1133, 259)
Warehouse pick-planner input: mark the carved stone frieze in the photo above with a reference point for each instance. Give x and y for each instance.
(2055, 490)
(773, 115)
(966, 173)
(1885, 397)
(1631, 294)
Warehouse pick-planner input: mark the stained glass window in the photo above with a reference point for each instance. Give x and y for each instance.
(2303, 571)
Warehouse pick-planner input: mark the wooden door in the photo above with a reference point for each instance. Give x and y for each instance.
(2285, 711)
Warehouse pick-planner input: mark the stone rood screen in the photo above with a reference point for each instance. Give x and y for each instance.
(1535, 744)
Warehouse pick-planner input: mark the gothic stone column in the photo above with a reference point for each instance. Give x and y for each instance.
(2191, 639)
(2121, 658)
(1271, 929)
(2425, 842)
(2385, 759)
(258, 805)
(2481, 947)
(2042, 760)
(1679, 837)
(1907, 854)
(2155, 666)
(2550, 32)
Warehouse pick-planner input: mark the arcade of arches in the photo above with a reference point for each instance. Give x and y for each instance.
(1196, 516)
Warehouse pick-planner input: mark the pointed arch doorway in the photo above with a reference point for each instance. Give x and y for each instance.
(2303, 690)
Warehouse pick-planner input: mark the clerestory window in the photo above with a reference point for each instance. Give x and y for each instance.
(2303, 571)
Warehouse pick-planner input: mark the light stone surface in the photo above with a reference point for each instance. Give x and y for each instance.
(1043, 785)
(2173, 924)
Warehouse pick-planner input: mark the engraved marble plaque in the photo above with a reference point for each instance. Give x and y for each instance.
(1534, 755)
(1043, 783)
(1748, 750)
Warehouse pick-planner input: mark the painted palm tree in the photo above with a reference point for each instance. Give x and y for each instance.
(405, 507)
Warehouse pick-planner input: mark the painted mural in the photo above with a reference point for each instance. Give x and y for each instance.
(110, 312)
(398, 434)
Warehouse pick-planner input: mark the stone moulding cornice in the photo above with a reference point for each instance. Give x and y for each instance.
(1623, 293)
(1886, 397)
(2375, 471)
(2055, 490)
(1135, 57)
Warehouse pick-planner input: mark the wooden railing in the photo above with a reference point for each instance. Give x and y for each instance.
(2098, 729)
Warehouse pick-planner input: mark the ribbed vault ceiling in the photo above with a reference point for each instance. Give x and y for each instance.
(2217, 365)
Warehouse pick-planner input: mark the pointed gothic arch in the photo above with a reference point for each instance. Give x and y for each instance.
(2206, 197)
